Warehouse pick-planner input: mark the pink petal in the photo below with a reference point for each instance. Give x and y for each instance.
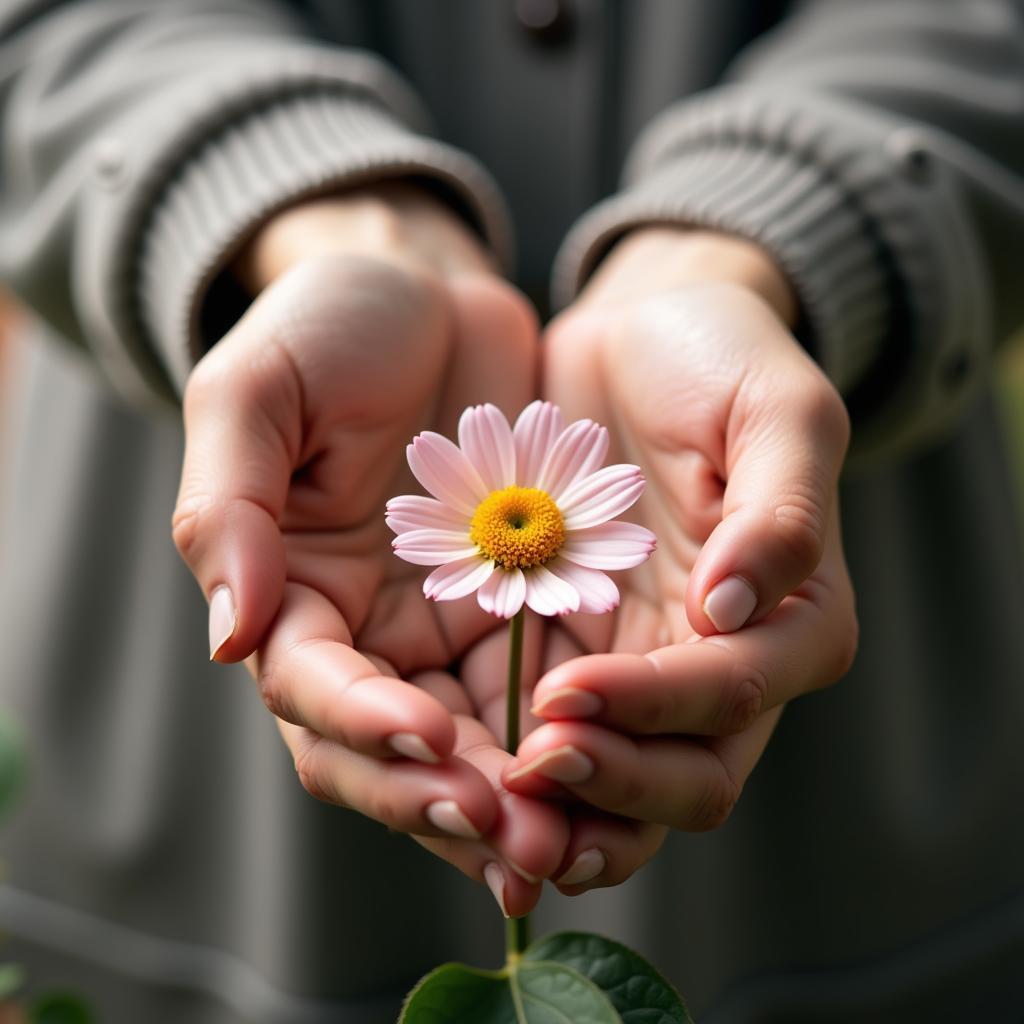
(486, 439)
(433, 547)
(457, 579)
(578, 452)
(503, 594)
(601, 496)
(598, 593)
(416, 512)
(536, 430)
(609, 546)
(444, 471)
(548, 594)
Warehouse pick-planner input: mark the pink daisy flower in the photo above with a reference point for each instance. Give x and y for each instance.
(520, 514)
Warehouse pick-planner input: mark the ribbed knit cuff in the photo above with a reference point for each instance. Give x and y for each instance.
(860, 215)
(792, 210)
(298, 147)
(193, 169)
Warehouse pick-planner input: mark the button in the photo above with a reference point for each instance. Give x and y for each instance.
(911, 156)
(110, 162)
(547, 21)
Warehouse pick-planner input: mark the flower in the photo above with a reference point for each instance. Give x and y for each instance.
(520, 514)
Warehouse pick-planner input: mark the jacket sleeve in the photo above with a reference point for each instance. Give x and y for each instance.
(875, 149)
(142, 142)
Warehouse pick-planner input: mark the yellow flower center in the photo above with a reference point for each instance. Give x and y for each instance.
(518, 527)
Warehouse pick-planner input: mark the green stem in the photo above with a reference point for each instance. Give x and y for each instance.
(517, 929)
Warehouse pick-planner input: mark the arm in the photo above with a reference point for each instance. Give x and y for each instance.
(873, 151)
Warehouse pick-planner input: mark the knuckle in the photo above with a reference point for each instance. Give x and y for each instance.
(310, 775)
(187, 524)
(847, 652)
(629, 791)
(800, 528)
(717, 799)
(272, 690)
(744, 700)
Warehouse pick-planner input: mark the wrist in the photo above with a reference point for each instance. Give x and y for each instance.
(397, 222)
(659, 258)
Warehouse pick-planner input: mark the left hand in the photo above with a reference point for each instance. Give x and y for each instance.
(681, 346)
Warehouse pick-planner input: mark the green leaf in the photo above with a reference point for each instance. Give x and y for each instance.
(12, 977)
(12, 761)
(523, 993)
(60, 1008)
(635, 988)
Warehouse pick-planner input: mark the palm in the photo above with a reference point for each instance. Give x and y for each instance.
(381, 355)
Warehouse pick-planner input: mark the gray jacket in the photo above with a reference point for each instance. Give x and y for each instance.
(169, 864)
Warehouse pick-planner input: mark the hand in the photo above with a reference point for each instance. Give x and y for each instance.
(681, 346)
(378, 316)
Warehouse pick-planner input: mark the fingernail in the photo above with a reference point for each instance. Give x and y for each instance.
(589, 864)
(223, 619)
(730, 603)
(522, 872)
(564, 764)
(495, 879)
(568, 703)
(408, 744)
(448, 816)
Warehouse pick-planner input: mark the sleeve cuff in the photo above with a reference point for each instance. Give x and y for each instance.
(300, 147)
(163, 233)
(861, 217)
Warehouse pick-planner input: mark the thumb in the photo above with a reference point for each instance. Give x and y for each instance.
(784, 463)
(242, 427)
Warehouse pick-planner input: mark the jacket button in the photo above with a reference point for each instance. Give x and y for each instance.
(546, 21)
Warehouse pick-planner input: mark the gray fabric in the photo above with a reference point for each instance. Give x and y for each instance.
(874, 865)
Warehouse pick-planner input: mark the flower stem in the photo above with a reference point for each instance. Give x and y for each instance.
(515, 667)
(517, 929)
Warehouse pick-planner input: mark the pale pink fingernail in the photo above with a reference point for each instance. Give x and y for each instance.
(569, 702)
(589, 864)
(408, 744)
(525, 875)
(448, 816)
(563, 764)
(495, 879)
(730, 603)
(223, 619)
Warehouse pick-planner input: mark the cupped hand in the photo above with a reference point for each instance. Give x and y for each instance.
(681, 346)
(378, 317)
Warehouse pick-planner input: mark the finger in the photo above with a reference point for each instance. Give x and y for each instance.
(242, 419)
(529, 835)
(784, 449)
(528, 840)
(310, 675)
(720, 684)
(686, 784)
(514, 895)
(605, 851)
(448, 799)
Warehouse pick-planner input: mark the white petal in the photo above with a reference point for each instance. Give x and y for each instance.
(579, 450)
(598, 593)
(601, 496)
(416, 512)
(433, 547)
(609, 546)
(486, 440)
(548, 594)
(446, 472)
(536, 430)
(457, 579)
(503, 594)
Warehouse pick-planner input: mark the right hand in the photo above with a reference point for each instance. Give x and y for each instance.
(379, 316)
